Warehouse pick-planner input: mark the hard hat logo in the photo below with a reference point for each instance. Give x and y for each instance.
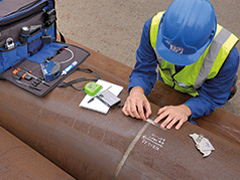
(185, 31)
(173, 47)
(176, 49)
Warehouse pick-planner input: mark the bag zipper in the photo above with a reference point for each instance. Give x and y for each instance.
(23, 12)
(27, 6)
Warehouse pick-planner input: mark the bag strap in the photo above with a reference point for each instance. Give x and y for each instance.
(62, 37)
(70, 83)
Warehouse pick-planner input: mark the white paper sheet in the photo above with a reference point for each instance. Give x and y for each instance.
(97, 105)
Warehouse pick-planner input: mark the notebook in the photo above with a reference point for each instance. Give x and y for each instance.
(96, 104)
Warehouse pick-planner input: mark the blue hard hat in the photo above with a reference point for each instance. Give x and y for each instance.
(185, 31)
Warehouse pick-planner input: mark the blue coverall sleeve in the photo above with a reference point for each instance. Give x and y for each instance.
(215, 92)
(144, 73)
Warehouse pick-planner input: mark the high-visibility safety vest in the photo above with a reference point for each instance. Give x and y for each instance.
(191, 77)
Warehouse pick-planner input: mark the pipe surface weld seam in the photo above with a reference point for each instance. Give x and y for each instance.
(129, 149)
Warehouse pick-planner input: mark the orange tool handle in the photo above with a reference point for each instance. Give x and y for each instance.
(15, 71)
(23, 76)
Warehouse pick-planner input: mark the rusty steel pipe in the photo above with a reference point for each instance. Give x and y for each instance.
(222, 123)
(90, 145)
(19, 161)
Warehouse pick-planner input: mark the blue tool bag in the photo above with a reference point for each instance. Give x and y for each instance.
(22, 29)
(28, 41)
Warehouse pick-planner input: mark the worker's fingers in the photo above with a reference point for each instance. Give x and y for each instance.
(179, 125)
(124, 109)
(140, 110)
(130, 108)
(134, 109)
(137, 105)
(127, 108)
(161, 110)
(173, 115)
(163, 115)
(166, 121)
(147, 109)
(172, 122)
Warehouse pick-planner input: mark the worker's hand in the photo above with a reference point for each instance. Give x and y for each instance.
(136, 104)
(173, 115)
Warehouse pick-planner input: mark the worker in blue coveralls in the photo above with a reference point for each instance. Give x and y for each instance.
(194, 54)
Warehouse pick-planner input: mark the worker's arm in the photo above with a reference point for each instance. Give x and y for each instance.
(215, 92)
(142, 78)
(144, 72)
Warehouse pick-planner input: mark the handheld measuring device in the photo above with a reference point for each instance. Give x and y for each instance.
(50, 70)
(108, 98)
(92, 88)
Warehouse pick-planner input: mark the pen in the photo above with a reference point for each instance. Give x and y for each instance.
(90, 100)
(69, 68)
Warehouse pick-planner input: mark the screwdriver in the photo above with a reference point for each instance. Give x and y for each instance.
(28, 85)
(29, 73)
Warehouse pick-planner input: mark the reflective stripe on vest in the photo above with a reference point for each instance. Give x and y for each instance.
(211, 56)
(206, 67)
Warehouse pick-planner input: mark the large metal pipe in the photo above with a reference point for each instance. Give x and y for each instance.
(90, 145)
(222, 123)
(19, 161)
